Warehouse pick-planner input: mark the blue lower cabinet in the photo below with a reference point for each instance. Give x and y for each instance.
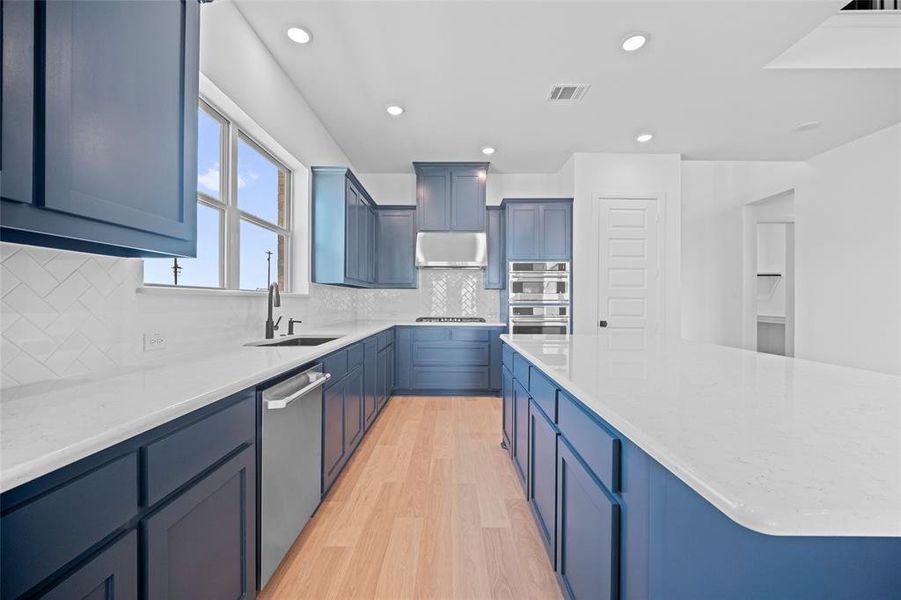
(543, 476)
(507, 407)
(447, 360)
(587, 531)
(110, 575)
(353, 410)
(521, 431)
(202, 544)
(332, 433)
(383, 370)
(370, 380)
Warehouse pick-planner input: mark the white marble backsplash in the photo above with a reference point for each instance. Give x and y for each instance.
(65, 314)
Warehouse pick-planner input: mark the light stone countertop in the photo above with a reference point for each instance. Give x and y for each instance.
(780, 445)
(50, 425)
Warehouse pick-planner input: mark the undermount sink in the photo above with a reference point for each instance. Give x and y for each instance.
(298, 341)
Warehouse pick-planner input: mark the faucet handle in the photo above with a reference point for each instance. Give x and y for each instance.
(277, 321)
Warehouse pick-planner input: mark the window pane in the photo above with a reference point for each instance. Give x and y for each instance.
(261, 184)
(202, 271)
(256, 241)
(209, 137)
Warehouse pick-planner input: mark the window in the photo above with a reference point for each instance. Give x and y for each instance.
(243, 214)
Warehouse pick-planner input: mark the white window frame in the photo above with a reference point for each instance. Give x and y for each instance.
(238, 124)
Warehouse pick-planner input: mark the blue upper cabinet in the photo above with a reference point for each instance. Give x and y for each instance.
(451, 196)
(344, 229)
(112, 131)
(396, 244)
(538, 229)
(495, 273)
(17, 107)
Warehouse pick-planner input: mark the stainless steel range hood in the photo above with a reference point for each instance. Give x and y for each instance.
(451, 250)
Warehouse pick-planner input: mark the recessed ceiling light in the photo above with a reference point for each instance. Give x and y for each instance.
(487, 150)
(807, 126)
(299, 35)
(394, 110)
(634, 41)
(644, 138)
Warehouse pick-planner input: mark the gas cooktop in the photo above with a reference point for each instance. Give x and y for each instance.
(450, 320)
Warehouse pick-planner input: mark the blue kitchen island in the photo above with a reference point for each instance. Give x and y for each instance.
(661, 468)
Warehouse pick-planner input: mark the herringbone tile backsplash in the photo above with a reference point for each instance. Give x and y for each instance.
(67, 314)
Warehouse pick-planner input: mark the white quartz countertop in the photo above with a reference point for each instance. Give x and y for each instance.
(47, 426)
(780, 445)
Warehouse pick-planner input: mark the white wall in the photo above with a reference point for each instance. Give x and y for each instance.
(771, 259)
(647, 175)
(848, 232)
(847, 213)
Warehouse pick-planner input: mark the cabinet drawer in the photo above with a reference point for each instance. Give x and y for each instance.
(172, 461)
(451, 354)
(386, 338)
(450, 378)
(470, 334)
(431, 334)
(599, 448)
(521, 370)
(507, 357)
(45, 534)
(354, 356)
(336, 365)
(544, 393)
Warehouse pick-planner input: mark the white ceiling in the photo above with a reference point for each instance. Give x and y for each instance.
(477, 73)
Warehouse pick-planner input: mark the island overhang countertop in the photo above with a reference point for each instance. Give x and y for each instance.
(782, 446)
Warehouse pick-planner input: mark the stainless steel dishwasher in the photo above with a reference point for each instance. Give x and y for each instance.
(291, 462)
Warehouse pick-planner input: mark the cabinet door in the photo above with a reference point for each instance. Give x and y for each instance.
(202, 544)
(587, 531)
(403, 348)
(110, 575)
(543, 475)
(17, 102)
(390, 387)
(383, 375)
(507, 394)
(522, 231)
(121, 113)
(433, 199)
(396, 241)
(372, 248)
(332, 433)
(353, 410)
(521, 431)
(467, 200)
(556, 231)
(496, 272)
(352, 231)
(370, 380)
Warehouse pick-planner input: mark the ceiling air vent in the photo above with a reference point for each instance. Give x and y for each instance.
(567, 92)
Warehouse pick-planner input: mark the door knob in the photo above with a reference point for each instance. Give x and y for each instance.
(602, 323)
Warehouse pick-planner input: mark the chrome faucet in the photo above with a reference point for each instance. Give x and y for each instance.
(274, 300)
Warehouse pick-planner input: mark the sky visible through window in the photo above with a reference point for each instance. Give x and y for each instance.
(257, 193)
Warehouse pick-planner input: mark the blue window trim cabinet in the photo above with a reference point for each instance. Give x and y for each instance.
(623, 526)
(71, 179)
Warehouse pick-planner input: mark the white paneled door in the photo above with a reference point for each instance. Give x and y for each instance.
(629, 278)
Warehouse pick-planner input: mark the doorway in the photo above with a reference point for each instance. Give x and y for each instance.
(775, 288)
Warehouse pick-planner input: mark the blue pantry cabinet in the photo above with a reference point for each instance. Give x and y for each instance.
(538, 229)
(81, 82)
(496, 271)
(170, 513)
(396, 247)
(451, 196)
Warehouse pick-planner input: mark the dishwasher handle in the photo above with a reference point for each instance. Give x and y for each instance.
(317, 381)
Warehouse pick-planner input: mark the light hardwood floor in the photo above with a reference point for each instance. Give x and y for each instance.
(428, 507)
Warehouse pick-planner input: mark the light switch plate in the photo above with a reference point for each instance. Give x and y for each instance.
(154, 342)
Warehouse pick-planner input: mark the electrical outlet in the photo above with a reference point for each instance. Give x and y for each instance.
(154, 341)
